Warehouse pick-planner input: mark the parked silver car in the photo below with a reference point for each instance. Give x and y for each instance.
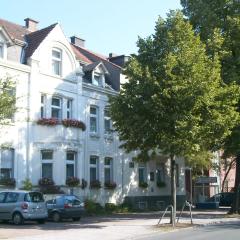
(19, 206)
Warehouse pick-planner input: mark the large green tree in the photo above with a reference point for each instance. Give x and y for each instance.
(222, 16)
(7, 99)
(174, 99)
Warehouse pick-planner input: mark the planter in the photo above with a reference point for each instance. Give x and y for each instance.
(143, 184)
(8, 182)
(110, 185)
(72, 181)
(95, 184)
(74, 123)
(48, 121)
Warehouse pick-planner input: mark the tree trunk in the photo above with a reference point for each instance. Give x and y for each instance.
(173, 189)
(235, 206)
(226, 174)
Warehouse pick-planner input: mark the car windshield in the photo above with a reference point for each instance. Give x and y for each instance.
(34, 197)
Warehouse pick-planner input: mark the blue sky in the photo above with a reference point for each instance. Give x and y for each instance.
(106, 25)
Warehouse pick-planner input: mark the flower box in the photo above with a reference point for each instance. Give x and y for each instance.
(45, 182)
(110, 185)
(143, 184)
(9, 182)
(72, 181)
(95, 184)
(74, 123)
(48, 121)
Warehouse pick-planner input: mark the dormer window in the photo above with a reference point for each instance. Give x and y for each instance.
(97, 80)
(56, 61)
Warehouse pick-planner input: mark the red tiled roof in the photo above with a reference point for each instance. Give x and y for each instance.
(79, 55)
(14, 30)
(97, 55)
(35, 38)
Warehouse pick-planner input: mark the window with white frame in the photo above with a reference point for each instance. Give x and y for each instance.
(108, 170)
(1, 50)
(160, 173)
(56, 108)
(107, 122)
(47, 163)
(43, 106)
(6, 163)
(94, 173)
(70, 164)
(69, 108)
(97, 80)
(93, 119)
(56, 61)
(142, 173)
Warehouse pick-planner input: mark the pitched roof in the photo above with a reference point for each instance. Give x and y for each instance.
(14, 30)
(79, 55)
(35, 38)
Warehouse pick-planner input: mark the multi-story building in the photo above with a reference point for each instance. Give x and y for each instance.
(62, 127)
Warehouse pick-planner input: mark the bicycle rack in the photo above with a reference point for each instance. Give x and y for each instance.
(169, 206)
(186, 204)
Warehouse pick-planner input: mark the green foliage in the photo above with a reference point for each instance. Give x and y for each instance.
(93, 207)
(7, 99)
(174, 99)
(27, 185)
(209, 16)
(110, 207)
(143, 184)
(161, 184)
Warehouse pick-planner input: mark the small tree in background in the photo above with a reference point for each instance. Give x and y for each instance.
(174, 100)
(7, 99)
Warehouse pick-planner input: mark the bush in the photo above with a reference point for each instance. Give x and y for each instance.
(72, 181)
(161, 184)
(51, 189)
(27, 185)
(10, 182)
(110, 207)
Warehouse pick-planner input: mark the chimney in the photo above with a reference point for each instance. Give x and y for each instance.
(79, 42)
(111, 55)
(31, 24)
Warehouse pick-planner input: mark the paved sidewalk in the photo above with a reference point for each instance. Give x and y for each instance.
(114, 227)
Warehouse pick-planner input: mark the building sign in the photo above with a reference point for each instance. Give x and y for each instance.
(204, 179)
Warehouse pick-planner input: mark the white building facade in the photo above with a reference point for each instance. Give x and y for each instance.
(62, 127)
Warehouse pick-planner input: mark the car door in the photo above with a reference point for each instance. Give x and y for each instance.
(2, 205)
(11, 203)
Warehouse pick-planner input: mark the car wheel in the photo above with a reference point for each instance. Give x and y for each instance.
(17, 219)
(41, 221)
(76, 219)
(56, 217)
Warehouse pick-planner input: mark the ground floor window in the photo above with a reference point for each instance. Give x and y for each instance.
(47, 163)
(70, 164)
(142, 173)
(94, 162)
(6, 163)
(108, 170)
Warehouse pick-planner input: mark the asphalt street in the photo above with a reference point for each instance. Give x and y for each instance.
(226, 231)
